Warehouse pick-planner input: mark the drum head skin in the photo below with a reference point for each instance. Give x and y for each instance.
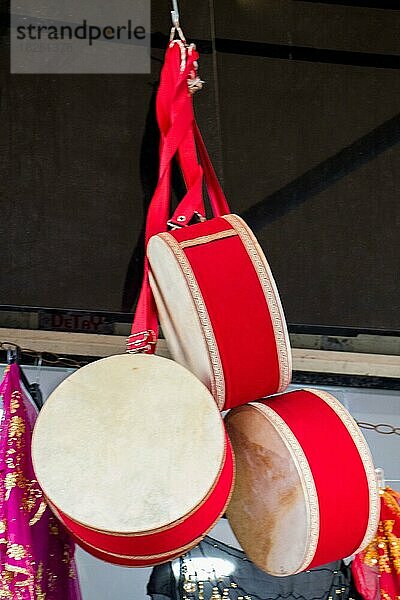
(268, 501)
(128, 444)
(305, 491)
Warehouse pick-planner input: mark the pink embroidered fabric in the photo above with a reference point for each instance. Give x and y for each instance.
(36, 553)
(376, 570)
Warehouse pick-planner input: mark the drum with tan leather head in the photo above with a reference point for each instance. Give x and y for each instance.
(305, 492)
(132, 454)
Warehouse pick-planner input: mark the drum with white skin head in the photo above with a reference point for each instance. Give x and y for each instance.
(132, 454)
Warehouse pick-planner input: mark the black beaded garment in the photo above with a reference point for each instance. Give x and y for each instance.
(215, 571)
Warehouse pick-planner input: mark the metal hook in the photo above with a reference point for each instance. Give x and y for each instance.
(38, 365)
(9, 356)
(175, 13)
(380, 476)
(13, 352)
(176, 28)
(34, 387)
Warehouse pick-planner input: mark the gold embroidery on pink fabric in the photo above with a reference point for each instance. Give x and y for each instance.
(15, 402)
(21, 578)
(384, 551)
(17, 427)
(12, 480)
(54, 529)
(40, 595)
(38, 514)
(16, 551)
(5, 580)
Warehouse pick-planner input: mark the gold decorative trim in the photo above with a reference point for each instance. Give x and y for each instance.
(162, 557)
(39, 513)
(204, 239)
(306, 478)
(365, 454)
(218, 385)
(271, 294)
(391, 500)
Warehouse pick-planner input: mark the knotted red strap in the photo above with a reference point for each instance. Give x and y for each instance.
(179, 134)
(168, 113)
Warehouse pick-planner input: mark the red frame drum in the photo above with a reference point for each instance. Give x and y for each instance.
(220, 310)
(306, 491)
(133, 457)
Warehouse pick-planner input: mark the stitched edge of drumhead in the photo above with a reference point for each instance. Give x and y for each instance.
(218, 389)
(272, 298)
(306, 478)
(366, 458)
(176, 348)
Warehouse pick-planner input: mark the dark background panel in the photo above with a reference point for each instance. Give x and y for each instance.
(319, 25)
(347, 271)
(307, 151)
(319, 159)
(282, 118)
(79, 164)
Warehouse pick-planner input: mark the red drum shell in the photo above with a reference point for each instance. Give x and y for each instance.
(220, 310)
(116, 559)
(306, 491)
(120, 560)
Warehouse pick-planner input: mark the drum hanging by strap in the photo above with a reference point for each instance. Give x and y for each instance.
(306, 491)
(211, 285)
(220, 310)
(131, 450)
(132, 455)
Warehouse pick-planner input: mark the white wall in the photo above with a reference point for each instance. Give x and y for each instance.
(101, 581)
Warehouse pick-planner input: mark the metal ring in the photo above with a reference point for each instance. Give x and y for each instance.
(384, 428)
(365, 425)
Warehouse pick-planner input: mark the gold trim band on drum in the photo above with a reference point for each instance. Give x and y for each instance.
(366, 457)
(306, 479)
(218, 382)
(205, 239)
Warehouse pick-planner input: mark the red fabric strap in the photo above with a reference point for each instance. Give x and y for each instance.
(175, 115)
(179, 134)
